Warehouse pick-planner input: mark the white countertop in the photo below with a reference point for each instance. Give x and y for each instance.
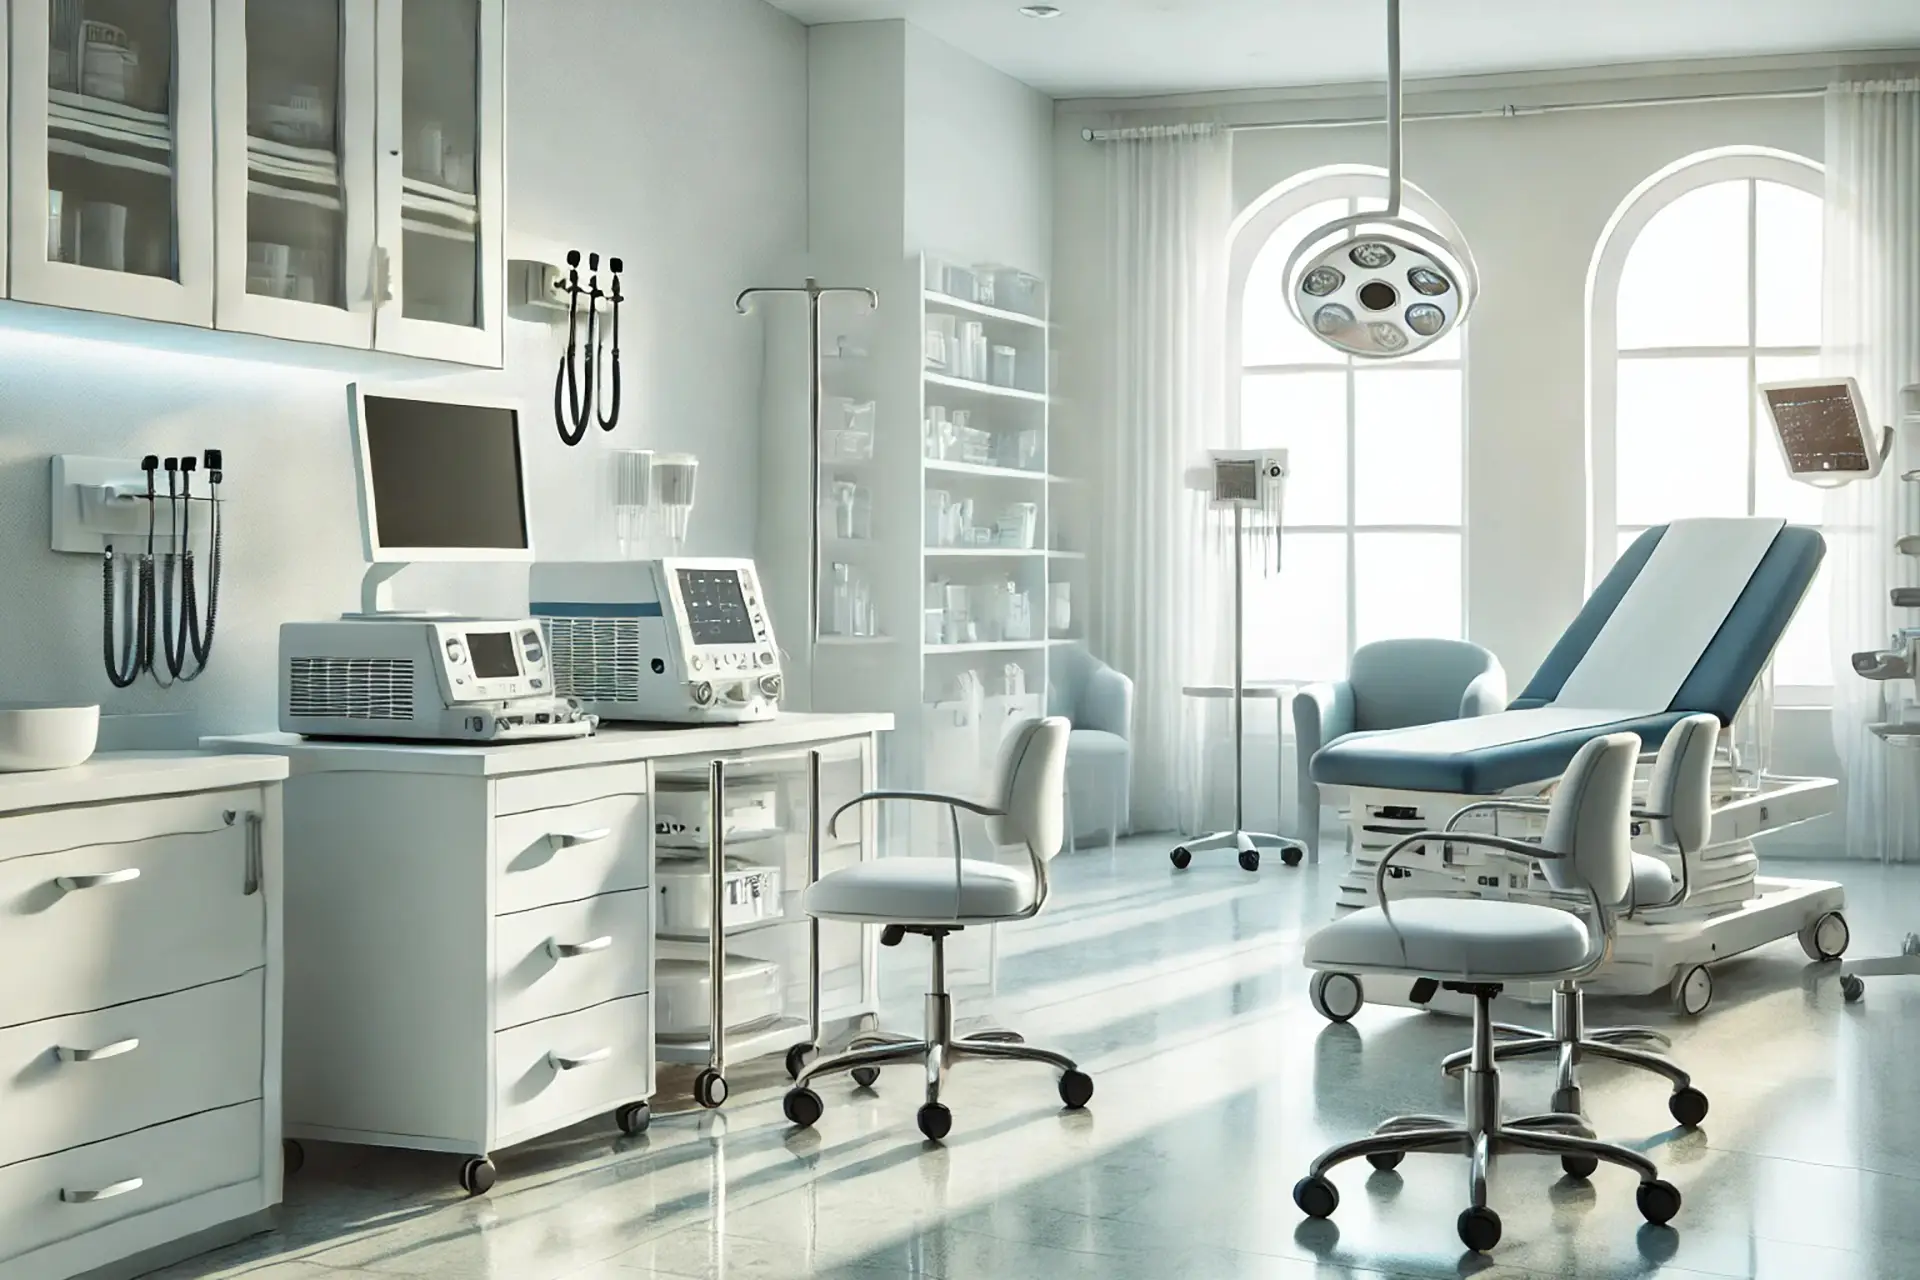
(610, 745)
(131, 775)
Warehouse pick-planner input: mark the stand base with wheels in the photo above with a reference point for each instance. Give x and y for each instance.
(1904, 965)
(1247, 844)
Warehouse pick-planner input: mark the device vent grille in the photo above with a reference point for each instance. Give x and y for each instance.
(351, 688)
(595, 659)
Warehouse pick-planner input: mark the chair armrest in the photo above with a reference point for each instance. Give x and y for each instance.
(923, 797)
(1106, 704)
(1486, 694)
(1321, 713)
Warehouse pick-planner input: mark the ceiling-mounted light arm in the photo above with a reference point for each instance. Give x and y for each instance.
(1394, 116)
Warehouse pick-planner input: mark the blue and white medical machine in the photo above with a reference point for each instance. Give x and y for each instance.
(438, 481)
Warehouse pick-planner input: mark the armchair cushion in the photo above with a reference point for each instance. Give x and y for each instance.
(922, 891)
(1466, 938)
(1084, 744)
(1398, 683)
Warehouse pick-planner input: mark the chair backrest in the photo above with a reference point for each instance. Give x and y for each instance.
(1587, 822)
(1398, 683)
(1067, 671)
(1682, 784)
(1030, 785)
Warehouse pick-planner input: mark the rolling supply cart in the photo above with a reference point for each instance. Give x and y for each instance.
(737, 848)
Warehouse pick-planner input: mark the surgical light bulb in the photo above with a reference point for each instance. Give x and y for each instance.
(1378, 295)
(1425, 319)
(1322, 281)
(1427, 281)
(1372, 255)
(1332, 319)
(1388, 337)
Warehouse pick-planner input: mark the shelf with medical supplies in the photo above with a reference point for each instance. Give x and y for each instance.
(988, 389)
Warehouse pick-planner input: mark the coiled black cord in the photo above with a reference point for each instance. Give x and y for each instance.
(608, 420)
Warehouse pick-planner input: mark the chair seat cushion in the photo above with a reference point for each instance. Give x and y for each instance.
(922, 890)
(1082, 743)
(1652, 881)
(1462, 938)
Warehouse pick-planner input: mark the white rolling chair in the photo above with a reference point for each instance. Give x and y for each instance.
(1680, 806)
(1475, 946)
(934, 897)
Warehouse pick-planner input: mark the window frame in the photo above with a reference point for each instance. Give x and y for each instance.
(1748, 165)
(1251, 233)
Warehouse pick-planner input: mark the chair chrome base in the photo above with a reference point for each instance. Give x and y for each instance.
(1571, 1041)
(937, 1051)
(1482, 1137)
(1247, 844)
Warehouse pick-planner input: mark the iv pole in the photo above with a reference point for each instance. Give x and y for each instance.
(814, 291)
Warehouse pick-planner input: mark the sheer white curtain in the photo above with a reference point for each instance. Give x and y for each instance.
(1872, 323)
(1161, 403)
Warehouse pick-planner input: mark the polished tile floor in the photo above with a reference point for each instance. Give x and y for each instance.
(1217, 1083)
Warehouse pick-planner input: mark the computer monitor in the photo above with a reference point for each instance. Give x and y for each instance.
(439, 479)
(1825, 435)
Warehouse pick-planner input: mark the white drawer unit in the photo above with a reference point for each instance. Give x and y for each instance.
(140, 1010)
(559, 959)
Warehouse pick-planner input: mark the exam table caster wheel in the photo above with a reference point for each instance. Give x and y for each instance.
(1693, 991)
(1852, 988)
(1386, 1161)
(1291, 855)
(803, 1107)
(1479, 1229)
(1688, 1106)
(1316, 1197)
(1659, 1201)
(1076, 1090)
(1826, 938)
(1581, 1167)
(1336, 996)
(709, 1088)
(934, 1120)
(633, 1118)
(865, 1076)
(293, 1156)
(1181, 858)
(797, 1059)
(476, 1176)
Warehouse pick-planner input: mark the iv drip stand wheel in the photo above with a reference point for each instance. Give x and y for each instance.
(1248, 845)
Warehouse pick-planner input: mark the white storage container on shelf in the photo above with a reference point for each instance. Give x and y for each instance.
(683, 996)
(680, 814)
(751, 893)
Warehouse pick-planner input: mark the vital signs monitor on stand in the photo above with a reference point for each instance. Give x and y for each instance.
(438, 481)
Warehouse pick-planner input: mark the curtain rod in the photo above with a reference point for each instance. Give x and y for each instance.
(1510, 111)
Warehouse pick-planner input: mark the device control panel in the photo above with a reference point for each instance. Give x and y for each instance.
(492, 661)
(721, 619)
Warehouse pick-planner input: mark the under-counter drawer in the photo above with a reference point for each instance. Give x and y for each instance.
(87, 1077)
(561, 958)
(554, 1073)
(571, 852)
(83, 1189)
(104, 924)
(553, 788)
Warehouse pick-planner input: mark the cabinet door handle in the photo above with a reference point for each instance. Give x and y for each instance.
(569, 839)
(382, 276)
(104, 1193)
(74, 883)
(101, 1054)
(561, 1063)
(256, 855)
(568, 950)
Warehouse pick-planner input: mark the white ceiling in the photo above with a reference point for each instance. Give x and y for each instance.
(1098, 48)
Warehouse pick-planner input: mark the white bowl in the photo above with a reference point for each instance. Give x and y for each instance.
(46, 735)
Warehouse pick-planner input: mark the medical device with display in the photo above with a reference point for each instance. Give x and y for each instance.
(675, 641)
(1826, 438)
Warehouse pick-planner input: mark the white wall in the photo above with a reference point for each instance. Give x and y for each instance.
(685, 153)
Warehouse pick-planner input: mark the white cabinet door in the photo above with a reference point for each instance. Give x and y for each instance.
(441, 179)
(111, 197)
(295, 94)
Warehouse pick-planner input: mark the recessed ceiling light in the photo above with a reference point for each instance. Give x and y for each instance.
(1040, 10)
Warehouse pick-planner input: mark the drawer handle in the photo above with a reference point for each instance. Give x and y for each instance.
(569, 839)
(74, 883)
(568, 950)
(101, 1054)
(561, 1063)
(104, 1193)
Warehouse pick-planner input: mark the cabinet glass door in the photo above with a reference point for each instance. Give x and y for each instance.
(297, 197)
(441, 178)
(112, 164)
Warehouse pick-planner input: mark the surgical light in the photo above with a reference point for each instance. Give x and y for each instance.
(1411, 282)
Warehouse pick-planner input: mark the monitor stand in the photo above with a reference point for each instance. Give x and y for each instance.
(376, 595)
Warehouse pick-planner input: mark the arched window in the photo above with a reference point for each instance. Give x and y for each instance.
(1706, 282)
(1376, 497)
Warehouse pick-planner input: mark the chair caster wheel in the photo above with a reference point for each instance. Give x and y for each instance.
(1581, 1167)
(1658, 1201)
(865, 1076)
(1316, 1196)
(634, 1118)
(1335, 996)
(1076, 1089)
(1181, 859)
(1688, 1106)
(709, 1088)
(1567, 1102)
(1479, 1229)
(1249, 859)
(1852, 988)
(797, 1058)
(476, 1176)
(803, 1107)
(934, 1120)
(1386, 1161)
(1292, 855)
(293, 1156)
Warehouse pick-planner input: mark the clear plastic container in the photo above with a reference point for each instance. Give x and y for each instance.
(682, 1001)
(751, 893)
